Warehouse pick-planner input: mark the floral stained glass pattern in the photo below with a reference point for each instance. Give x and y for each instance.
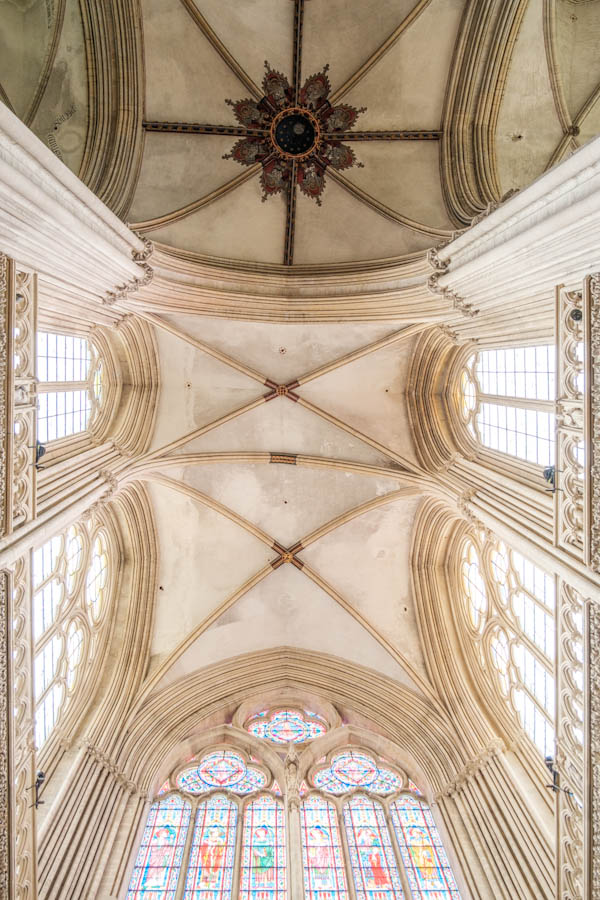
(210, 868)
(427, 868)
(158, 862)
(221, 769)
(351, 770)
(374, 868)
(263, 866)
(324, 873)
(287, 726)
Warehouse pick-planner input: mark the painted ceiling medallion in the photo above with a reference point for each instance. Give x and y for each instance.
(294, 139)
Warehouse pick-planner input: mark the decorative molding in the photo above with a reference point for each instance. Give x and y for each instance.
(592, 794)
(569, 497)
(470, 181)
(472, 769)
(5, 369)
(120, 776)
(593, 420)
(116, 82)
(140, 257)
(459, 304)
(569, 756)
(6, 761)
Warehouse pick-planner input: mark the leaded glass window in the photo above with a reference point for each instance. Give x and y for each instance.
(158, 864)
(287, 726)
(263, 866)
(508, 401)
(372, 860)
(238, 848)
(322, 856)
(210, 867)
(425, 861)
(69, 385)
(515, 631)
(71, 582)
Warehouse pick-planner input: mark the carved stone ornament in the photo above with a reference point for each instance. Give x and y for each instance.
(593, 735)
(140, 257)
(594, 437)
(472, 768)
(458, 303)
(291, 778)
(6, 837)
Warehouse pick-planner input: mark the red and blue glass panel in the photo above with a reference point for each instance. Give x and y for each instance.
(324, 872)
(425, 861)
(351, 769)
(212, 855)
(287, 726)
(263, 866)
(158, 864)
(374, 868)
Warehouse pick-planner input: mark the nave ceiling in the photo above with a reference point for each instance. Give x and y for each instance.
(339, 469)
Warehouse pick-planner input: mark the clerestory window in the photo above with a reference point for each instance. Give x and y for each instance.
(70, 390)
(509, 614)
(508, 401)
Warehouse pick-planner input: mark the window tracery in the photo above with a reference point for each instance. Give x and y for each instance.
(71, 584)
(287, 725)
(513, 634)
(377, 831)
(70, 385)
(508, 400)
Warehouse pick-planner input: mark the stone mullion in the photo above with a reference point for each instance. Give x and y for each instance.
(346, 853)
(237, 862)
(294, 848)
(398, 855)
(185, 859)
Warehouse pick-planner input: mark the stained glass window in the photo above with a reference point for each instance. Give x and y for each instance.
(159, 859)
(372, 858)
(210, 868)
(425, 862)
(263, 866)
(221, 769)
(287, 726)
(324, 871)
(353, 769)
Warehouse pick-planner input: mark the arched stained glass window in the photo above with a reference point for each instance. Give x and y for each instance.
(158, 864)
(374, 868)
(210, 867)
(347, 851)
(65, 623)
(263, 873)
(287, 726)
(70, 385)
(425, 861)
(508, 401)
(324, 870)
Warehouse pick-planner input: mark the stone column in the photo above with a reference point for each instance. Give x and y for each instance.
(294, 831)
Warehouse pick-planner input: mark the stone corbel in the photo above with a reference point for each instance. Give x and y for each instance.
(458, 303)
(472, 769)
(141, 257)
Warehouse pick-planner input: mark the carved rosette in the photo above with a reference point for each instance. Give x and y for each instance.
(6, 825)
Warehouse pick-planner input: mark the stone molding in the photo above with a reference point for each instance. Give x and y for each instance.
(542, 236)
(52, 223)
(6, 773)
(472, 769)
(593, 753)
(593, 421)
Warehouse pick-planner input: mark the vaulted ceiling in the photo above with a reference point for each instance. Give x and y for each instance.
(461, 101)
